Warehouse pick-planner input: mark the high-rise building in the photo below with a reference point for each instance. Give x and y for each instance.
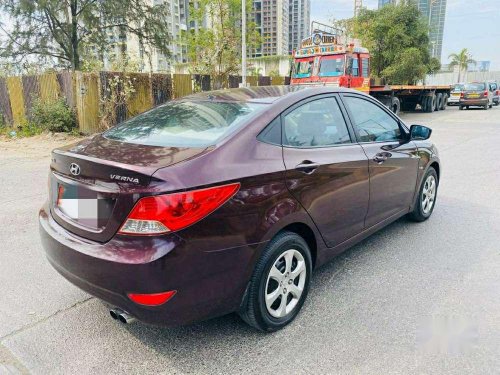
(282, 25)
(299, 22)
(381, 3)
(127, 44)
(271, 19)
(434, 12)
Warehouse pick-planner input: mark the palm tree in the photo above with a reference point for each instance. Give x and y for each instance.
(462, 60)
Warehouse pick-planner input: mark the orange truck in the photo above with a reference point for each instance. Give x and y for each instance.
(327, 57)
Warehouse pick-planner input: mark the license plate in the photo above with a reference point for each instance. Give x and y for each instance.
(83, 205)
(473, 96)
(456, 94)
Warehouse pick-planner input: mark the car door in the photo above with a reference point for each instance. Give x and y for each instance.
(325, 170)
(393, 166)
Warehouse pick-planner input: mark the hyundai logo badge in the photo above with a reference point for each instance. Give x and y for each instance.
(74, 169)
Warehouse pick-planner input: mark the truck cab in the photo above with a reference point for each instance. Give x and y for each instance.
(327, 57)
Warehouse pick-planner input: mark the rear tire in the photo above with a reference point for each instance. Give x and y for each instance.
(395, 105)
(486, 106)
(439, 102)
(445, 102)
(281, 277)
(461, 107)
(426, 199)
(430, 104)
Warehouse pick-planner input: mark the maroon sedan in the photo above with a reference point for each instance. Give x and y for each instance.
(228, 200)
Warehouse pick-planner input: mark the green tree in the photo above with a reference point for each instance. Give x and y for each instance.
(462, 60)
(60, 31)
(397, 37)
(216, 50)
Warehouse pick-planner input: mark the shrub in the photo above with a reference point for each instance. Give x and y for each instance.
(53, 115)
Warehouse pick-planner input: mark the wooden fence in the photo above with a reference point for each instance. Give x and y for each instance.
(85, 92)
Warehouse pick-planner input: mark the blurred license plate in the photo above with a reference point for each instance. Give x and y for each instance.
(473, 96)
(83, 205)
(455, 94)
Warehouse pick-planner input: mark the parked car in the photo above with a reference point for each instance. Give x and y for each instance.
(476, 94)
(495, 89)
(229, 200)
(455, 93)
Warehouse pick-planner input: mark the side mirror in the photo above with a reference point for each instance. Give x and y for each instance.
(420, 133)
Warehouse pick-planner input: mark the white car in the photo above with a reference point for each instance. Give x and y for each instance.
(455, 93)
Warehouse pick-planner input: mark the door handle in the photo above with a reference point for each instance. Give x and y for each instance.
(381, 157)
(307, 167)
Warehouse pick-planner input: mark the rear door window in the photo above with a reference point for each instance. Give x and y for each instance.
(318, 123)
(185, 124)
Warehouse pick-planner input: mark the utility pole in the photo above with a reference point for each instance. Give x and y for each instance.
(243, 43)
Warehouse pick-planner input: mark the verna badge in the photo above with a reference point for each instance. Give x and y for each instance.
(74, 169)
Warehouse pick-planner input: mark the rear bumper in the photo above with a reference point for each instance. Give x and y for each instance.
(454, 100)
(478, 102)
(209, 283)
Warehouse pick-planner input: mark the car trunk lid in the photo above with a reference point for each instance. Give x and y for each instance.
(95, 183)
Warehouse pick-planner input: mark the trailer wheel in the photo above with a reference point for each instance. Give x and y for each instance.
(439, 102)
(445, 102)
(395, 105)
(430, 104)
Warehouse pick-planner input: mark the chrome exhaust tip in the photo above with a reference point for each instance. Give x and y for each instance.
(126, 318)
(115, 313)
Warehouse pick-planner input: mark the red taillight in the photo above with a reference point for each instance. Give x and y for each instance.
(486, 93)
(498, 92)
(462, 94)
(155, 299)
(170, 212)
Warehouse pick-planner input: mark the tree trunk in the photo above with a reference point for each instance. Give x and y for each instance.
(75, 58)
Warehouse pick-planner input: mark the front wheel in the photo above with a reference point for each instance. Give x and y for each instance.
(279, 284)
(427, 195)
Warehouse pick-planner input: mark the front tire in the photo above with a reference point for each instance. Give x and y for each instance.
(279, 284)
(426, 199)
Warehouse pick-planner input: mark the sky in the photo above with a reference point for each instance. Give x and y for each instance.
(471, 24)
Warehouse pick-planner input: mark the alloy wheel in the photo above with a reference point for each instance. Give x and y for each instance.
(285, 283)
(428, 194)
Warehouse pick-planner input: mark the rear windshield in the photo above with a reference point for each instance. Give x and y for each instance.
(184, 124)
(475, 86)
(458, 88)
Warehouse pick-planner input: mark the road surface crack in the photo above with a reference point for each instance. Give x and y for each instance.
(34, 324)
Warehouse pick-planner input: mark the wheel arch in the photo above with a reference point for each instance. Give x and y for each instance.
(306, 232)
(436, 167)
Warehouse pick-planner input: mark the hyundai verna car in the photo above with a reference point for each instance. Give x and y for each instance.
(227, 201)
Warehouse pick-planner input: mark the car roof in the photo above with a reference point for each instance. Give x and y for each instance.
(261, 94)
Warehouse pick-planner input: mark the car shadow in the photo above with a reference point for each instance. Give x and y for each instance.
(231, 330)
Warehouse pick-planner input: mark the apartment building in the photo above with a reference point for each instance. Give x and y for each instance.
(299, 23)
(282, 24)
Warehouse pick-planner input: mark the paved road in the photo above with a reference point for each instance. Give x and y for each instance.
(414, 298)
